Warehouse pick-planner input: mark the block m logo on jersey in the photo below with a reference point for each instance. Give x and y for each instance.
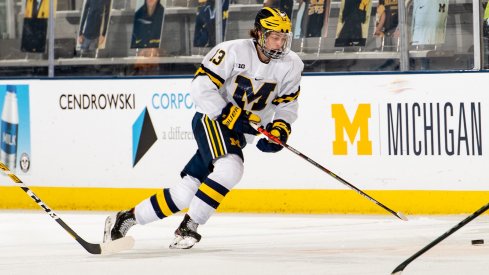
(441, 7)
(358, 126)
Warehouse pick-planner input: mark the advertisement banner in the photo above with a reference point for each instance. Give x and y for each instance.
(392, 132)
(396, 132)
(15, 146)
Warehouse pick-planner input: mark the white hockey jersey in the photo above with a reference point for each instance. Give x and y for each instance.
(232, 72)
(429, 22)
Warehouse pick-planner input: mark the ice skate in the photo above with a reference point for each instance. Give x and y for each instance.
(116, 226)
(186, 234)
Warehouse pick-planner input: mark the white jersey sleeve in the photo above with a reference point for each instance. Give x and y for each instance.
(216, 68)
(286, 100)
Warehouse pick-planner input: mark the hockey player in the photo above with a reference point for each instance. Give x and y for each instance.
(239, 82)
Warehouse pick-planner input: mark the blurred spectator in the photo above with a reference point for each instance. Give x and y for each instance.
(386, 23)
(35, 26)
(485, 36)
(148, 23)
(94, 24)
(353, 15)
(429, 22)
(283, 5)
(205, 23)
(312, 18)
(485, 24)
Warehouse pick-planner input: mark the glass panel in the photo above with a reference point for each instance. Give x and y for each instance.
(440, 34)
(22, 57)
(329, 35)
(340, 35)
(485, 35)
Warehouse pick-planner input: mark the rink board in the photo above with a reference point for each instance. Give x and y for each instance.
(259, 201)
(416, 140)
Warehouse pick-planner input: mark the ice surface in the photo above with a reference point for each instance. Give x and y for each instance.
(33, 243)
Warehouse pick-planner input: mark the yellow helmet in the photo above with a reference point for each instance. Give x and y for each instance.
(268, 21)
(273, 20)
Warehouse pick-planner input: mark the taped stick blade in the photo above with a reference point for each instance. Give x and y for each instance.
(116, 246)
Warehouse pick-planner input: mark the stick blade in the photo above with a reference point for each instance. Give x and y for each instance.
(116, 246)
(401, 216)
(400, 268)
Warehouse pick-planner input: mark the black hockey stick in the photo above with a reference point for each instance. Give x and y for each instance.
(400, 268)
(102, 248)
(293, 150)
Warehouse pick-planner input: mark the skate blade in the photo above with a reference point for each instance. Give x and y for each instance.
(183, 242)
(109, 222)
(116, 246)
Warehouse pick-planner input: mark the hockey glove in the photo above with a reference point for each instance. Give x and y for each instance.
(279, 129)
(238, 119)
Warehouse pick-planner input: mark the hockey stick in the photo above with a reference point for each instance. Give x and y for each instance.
(400, 268)
(99, 248)
(293, 150)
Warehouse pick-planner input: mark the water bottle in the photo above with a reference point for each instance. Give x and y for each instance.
(9, 128)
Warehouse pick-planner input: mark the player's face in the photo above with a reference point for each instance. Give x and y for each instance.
(275, 40)
(275, 44)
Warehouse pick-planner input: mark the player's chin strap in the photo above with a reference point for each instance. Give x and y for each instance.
(275, 139)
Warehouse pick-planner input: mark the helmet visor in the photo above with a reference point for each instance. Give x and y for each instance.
(276, 44)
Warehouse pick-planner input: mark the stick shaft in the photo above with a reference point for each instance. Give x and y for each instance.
(324, 169)
(452, 230)
(91, 248)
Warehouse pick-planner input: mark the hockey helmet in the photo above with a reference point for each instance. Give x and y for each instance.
(272, 21)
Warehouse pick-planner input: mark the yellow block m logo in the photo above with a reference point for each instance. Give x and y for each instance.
(343, 124)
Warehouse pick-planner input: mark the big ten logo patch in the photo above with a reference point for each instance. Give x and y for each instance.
(356, 129)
